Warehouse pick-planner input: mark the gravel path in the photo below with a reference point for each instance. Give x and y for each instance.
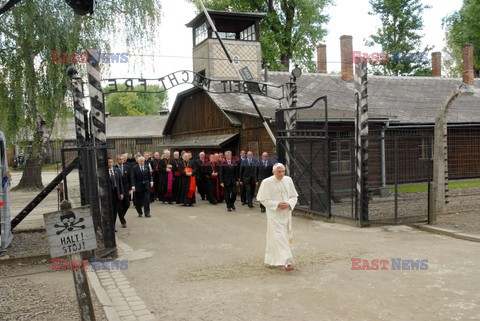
(28, 244)
(34, 292)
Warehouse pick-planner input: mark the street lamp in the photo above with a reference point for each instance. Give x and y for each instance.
(296, 72)
(440, 151)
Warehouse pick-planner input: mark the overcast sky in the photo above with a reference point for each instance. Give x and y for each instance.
(347, 17)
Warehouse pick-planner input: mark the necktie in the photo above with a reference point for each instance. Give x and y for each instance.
(112, 175)
(121, 168)
(142, 168)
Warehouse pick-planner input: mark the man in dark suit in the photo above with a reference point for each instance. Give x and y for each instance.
(142, 181)
(125, 172)
(228, 172)
(116, 187)
(201, 178)
(243, 191)
(264, 170)
(248, 177)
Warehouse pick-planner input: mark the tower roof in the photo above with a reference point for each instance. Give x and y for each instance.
(227, 21)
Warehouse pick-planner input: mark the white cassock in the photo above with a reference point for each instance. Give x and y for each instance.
(279, 222)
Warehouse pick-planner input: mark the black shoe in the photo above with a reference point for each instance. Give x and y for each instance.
(243, 203)
(148, 215)
(170, 203)
(140, 215)
(250, 205)
(229, 209)
(262, 210)
(190, 205)
(233, 207)
(124, 225)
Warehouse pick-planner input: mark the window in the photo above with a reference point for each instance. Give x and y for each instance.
(248, 34)
(340, 156)
(426, 149)
(201, 33)
(225, 35)
(110, 144)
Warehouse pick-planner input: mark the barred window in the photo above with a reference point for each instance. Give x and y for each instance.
(225, 35)
(201, 33)
(248, 34)
(340, 156)
(110, 144)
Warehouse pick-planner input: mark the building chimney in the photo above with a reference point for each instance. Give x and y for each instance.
(437, 64)
(468, 64)
(346, 49)
(322, 58)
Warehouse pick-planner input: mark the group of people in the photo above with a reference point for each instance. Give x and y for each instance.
(216, 177)
(177, 178)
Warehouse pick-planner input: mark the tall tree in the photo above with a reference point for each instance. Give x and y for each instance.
(463, 27)
(33, 89)
(290, 31)
(399, 37)
(136, 103)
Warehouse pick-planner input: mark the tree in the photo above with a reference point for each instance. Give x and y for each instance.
(135, 103)
(33, 89)
(463, 27)
(290, 31)
(401, 20)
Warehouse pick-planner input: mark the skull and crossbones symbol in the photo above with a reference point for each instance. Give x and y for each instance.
(69, 222)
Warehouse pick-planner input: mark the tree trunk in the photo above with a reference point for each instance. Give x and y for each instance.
(32, 174)
(285, 59)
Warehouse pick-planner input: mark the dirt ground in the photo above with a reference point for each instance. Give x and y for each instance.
(34, 292)
(208, 265)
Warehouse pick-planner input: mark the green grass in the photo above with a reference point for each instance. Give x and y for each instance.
(418, 188)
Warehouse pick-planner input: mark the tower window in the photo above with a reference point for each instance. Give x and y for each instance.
(201, 33)
(248, 34)
(225, 35)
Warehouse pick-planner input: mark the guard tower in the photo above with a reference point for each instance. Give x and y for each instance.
(240, 33)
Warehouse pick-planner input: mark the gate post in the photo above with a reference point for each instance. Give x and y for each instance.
(362, 140)
(99, 138)
(81, 127)
(291, 120)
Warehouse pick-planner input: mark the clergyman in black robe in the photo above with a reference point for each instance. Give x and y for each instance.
(187, 187)
(166, 167)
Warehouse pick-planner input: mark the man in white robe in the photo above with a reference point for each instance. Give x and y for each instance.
(277, 193)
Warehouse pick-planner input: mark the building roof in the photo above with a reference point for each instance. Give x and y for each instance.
(309, 87)
(119, 127)
(418, 99)
(211, 141)
(405, 100)
(228, 21)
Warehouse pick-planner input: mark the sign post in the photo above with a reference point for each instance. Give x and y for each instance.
(71, 232)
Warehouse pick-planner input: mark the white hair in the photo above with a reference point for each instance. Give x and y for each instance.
(278, 165)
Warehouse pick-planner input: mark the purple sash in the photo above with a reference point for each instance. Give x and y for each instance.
(169, 185)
